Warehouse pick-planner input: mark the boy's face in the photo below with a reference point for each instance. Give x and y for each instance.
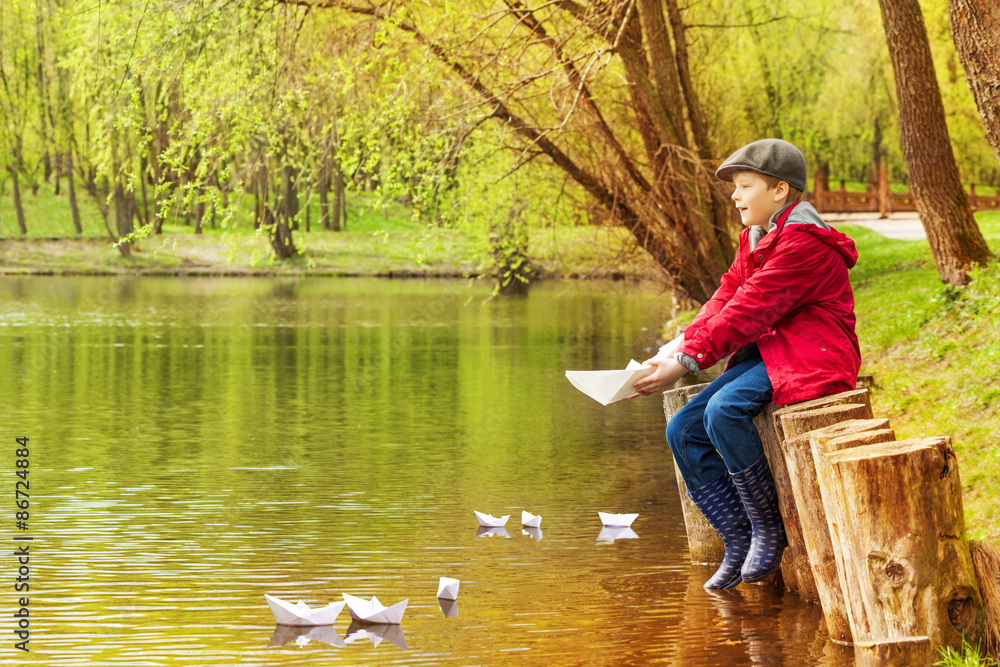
(755, 202)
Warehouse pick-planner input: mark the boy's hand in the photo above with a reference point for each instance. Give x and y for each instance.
(668, 371)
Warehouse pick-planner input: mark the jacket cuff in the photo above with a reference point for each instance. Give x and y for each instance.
(688, 362)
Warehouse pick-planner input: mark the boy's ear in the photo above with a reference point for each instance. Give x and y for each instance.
(781, 190)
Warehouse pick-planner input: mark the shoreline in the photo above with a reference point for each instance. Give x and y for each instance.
(244, 256)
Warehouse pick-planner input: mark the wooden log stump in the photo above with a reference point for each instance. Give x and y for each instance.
(903, 524)
(704, 543)
(899, 652)
(851, 433)
(809, 505)
(795, 569)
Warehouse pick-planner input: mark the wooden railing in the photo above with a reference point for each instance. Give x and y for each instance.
(881, 199)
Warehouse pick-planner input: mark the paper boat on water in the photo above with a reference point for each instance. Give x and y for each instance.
(530, 520)
(609, 519)
(302, 635)
(491, 521)
(609, 386)
(286, 613)
(373, 611)
(448, 588)
(609, 534)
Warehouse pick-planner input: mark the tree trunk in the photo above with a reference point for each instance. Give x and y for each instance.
(975, 28)
(809, 504)
(199, 212)
(44, 110)
(279, 234)
(795, 569)
(145, 193)
(289, 198)
(18, 205)
(704, 543)
(955, 240)
(71, 193)
(901, 506)
(339, 200)
(123, 216)
(323, 188)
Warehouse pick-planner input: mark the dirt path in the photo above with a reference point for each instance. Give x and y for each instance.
(901, 226)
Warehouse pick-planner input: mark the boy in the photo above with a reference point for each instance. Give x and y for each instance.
(785, 311)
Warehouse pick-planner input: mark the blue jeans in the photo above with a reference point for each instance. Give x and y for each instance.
(715, 433)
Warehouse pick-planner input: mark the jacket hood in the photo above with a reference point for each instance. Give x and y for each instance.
(805, 218)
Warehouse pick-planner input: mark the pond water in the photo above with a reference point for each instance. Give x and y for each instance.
(197, 443)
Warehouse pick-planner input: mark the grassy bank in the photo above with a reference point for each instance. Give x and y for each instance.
(385, 242)
(935, 355)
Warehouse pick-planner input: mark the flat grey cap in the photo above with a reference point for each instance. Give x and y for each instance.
(773, 157)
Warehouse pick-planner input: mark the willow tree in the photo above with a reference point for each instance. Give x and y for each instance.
(601, 90)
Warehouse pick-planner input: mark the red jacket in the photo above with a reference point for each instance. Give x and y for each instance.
(792, 296)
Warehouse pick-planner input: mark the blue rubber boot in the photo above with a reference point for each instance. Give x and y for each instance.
(720, 502)
(756, 488)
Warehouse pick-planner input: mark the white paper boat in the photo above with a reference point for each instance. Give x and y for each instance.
(530, 520)
(286, 613)
(491, 521)
(609, 534)
(533, 533)
(376, 633)
(483, 531)
(448, 588)
(609, 519)
(302, 635)
(373, 611)
(609, 386)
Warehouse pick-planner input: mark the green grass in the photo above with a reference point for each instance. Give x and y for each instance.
(935, 355)
(967, 656)
(377, 241)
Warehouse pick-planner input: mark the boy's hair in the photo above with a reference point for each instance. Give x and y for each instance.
(794, 194)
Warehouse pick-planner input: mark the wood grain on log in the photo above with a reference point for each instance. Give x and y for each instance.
(851, 433)
(805, 489)
(901, 522)
(704, 543)
(898, 652)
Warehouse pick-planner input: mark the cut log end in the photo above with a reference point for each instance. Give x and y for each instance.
(896, 652)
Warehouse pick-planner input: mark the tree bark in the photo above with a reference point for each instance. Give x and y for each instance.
(975, 28)
(18, 205)
(903, 524)
(123, 216)
(71, 193)
(339, 221)
(955, 240)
